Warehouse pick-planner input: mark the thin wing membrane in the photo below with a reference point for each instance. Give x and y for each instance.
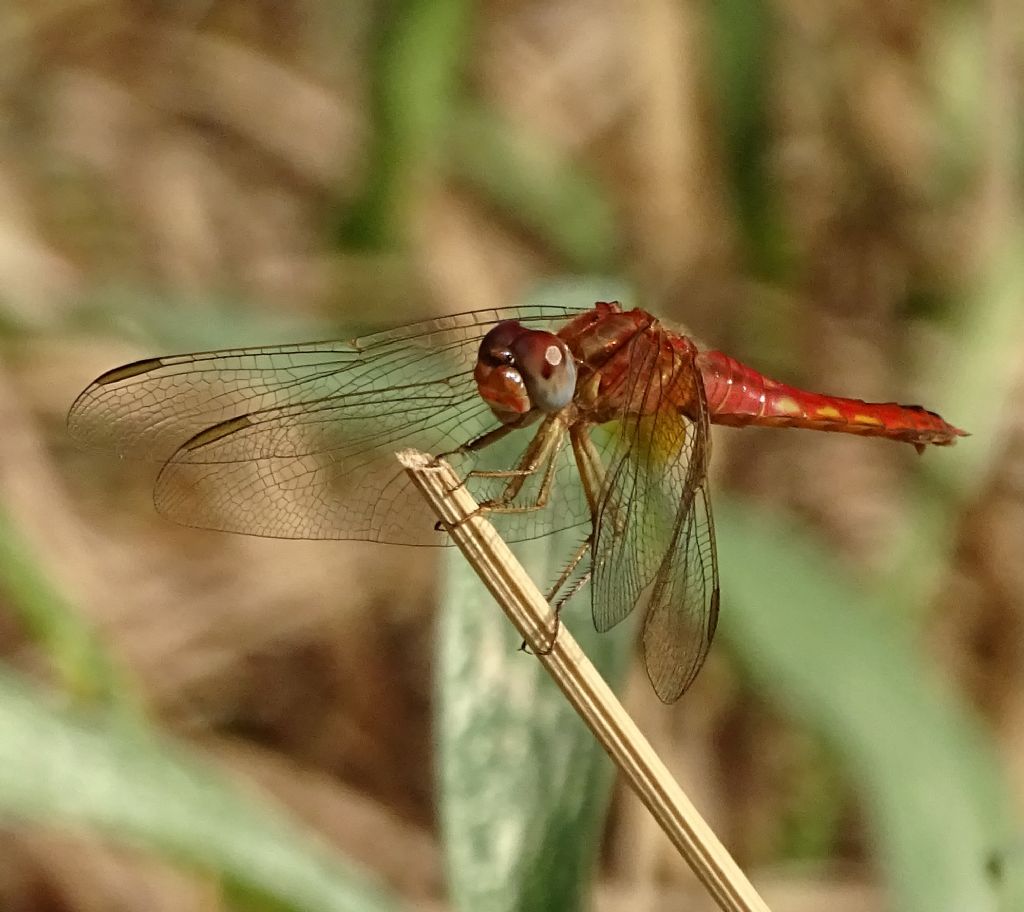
(297, 441)
(682, 609)
(147, 409)
(654, 534)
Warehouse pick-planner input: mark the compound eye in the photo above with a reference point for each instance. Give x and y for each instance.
(547, 367)
(498, 380)
(496, 346)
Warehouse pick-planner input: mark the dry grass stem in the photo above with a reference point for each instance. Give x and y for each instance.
(526, 607)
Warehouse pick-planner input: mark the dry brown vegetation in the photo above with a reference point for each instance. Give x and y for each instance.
(838, 211)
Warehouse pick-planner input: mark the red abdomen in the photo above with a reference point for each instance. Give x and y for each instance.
(738, 395)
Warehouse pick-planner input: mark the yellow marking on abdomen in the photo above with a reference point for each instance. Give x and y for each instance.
(788, 405)
(829, 411)
(868, 419)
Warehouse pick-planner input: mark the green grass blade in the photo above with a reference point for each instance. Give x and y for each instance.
(93, 771)
(537, 188)
(79, 659)
(928, 778)
(524, 785)
(739, 46)
(417, 64)
(976, 383)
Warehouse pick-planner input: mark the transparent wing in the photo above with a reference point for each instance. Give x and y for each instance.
(297, 441)
(682, 609)
(654, 535)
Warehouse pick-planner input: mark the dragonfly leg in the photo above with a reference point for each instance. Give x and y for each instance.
(535, 454)
(478, 443)
(502, 473)
(552, 593)
(592, 473)
(567, 572)
(543, 450)
(593, 478)
(576, 586)
(547, 455)
(591, 469)
(526, 467)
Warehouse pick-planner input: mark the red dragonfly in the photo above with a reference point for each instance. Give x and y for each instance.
(297, 441)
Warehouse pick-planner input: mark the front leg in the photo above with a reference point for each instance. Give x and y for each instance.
(479, 443)
(542, 451)
(546, 455)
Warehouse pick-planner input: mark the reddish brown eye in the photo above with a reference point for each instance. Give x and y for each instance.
(519, 370)
(497, 378)
(496, 346)
(547, 367)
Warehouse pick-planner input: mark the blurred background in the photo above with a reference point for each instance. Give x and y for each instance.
(830, 192)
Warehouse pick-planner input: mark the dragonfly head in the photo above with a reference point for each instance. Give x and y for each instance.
(519, 370)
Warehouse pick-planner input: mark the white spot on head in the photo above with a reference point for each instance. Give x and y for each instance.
(553, 355)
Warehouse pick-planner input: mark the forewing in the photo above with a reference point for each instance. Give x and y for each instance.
(654, 535)
(297, 441)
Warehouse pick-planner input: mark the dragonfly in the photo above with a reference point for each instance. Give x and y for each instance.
(595, 419)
